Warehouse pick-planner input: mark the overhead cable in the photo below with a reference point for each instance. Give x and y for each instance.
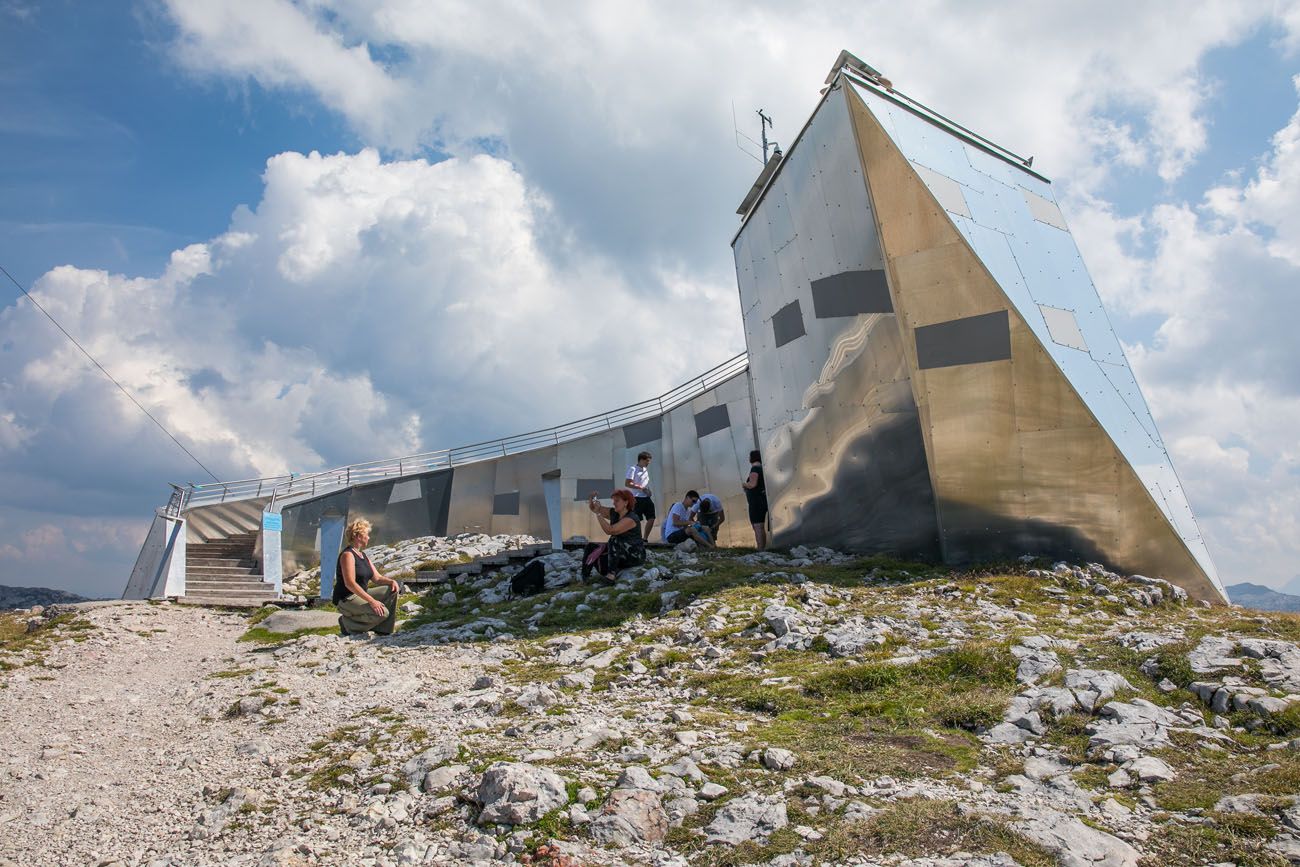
(102, 369)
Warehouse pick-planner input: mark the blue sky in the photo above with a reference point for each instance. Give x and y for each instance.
(264, 216)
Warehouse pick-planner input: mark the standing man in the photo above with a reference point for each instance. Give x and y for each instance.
(638, 482)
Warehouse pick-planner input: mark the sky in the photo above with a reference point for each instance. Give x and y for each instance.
(310, 233)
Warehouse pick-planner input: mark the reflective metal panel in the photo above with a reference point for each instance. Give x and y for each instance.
(1042, 452)
(843, 454)
(1063, 327)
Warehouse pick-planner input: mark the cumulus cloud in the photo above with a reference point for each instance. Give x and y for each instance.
(1222, 370)
(622, 114)
(362, 309)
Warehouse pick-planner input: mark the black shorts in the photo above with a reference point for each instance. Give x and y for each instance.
(758, 511)
(676, 537)
(645, 507)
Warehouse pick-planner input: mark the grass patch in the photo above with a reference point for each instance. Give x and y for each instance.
(258, 635)
(15, 638)
(1179, 843)
(930, 828)
(1205, 776)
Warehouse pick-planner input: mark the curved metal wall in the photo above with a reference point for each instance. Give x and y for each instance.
(702, 444)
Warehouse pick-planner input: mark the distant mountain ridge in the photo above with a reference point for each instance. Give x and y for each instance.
(26, 597)
(1259, 596)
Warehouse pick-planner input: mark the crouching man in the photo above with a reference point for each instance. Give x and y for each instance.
(679, 525)
(362, 605)
(710, 515)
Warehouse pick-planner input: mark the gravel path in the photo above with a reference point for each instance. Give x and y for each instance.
(112, 743)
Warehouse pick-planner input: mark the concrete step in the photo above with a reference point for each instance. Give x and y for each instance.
(220, 571)
(264, 592)
(221, 562)
(224, 601)
(226, 583)
(471, 568)
(219, 549)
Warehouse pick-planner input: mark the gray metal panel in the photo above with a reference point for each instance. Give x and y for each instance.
(1063, 327)
(787, 324)
(602, 487)
(945, 189)
(1044, 210)
(713, 419)
(683, 461)
(407, 490)
(642, 432)
(850, 293)
(971, 340)
(506, 504)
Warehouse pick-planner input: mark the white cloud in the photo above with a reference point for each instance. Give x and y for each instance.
(362, 309)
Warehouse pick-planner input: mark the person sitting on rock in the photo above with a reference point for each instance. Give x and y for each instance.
(626, 545)
(709, 515)
(680, 526)
(362, 608)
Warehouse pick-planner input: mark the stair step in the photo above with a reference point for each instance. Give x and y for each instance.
(220, 562)
(224, 602)
(221, 569)
(247, 581)
(221, 592)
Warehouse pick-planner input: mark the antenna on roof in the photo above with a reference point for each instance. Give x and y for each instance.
(739, 135)
(764, 122)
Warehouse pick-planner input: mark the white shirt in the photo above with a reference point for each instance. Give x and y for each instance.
(681, 515)
(715, 505)
(641, 476)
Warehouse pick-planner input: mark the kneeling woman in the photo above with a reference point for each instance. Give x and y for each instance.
(626, 545)
(361, 607)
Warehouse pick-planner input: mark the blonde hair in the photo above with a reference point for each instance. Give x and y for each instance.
(356, 528)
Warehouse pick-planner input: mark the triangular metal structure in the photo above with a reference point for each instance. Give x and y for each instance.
(931, 363)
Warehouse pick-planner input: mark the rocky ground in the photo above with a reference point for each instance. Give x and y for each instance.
(795, 708)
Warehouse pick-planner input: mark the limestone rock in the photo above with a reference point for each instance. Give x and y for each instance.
(517, 793)
(1076, 844)
(749, 817)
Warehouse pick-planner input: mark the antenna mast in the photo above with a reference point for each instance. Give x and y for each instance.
(765, 122)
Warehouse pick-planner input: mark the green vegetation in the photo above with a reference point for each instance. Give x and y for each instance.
(931, 828)
(258, 635)
(16, 639)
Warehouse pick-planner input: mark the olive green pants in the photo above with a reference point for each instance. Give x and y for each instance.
(358, 616)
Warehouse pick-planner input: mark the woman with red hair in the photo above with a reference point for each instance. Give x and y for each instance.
(626, 546)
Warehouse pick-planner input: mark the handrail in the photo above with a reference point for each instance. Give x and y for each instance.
(324, 481)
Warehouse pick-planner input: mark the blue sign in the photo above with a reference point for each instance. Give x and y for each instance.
(272, 521)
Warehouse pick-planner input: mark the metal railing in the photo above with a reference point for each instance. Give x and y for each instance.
(280, 487)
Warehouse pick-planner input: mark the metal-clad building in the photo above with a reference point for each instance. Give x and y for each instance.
(929, 373)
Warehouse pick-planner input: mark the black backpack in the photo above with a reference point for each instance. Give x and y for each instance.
(529, 580)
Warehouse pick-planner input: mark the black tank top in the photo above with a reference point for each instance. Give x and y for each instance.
(758, 493)
(363, 570)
